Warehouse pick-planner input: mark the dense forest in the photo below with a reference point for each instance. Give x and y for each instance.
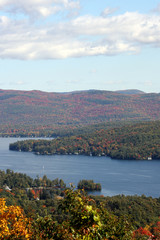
(46, 209)
(58, 131)
(136, 141)
(24, 112)
(121, 125)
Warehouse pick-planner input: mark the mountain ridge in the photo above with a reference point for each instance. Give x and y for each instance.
(130, 91)
(76, 108)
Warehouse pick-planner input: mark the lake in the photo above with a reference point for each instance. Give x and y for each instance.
(128, 177)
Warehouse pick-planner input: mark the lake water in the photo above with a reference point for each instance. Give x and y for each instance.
(128, 177)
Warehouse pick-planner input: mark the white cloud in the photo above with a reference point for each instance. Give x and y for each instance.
(93, 71)
(19, 83)
(107, 11)
(71, 81)
(148, 83)
(157, 9)
(82, 36)
(37, 7)
(120, 82)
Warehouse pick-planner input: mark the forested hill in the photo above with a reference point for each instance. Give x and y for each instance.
(138, 141)
(130, 91)
(75, 108)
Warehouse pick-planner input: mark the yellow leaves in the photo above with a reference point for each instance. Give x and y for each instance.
(2, 205)
(13, 224)
(89, 208)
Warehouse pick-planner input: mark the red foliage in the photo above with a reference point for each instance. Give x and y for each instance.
(156, 231)
(141, 232)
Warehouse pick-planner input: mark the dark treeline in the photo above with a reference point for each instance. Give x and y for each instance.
(89, 185)
(136, 141)
(56, 131)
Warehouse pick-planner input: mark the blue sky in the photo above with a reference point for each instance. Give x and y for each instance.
(68, 45)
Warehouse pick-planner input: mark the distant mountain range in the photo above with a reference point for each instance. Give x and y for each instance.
(76, 108)
(130, 91)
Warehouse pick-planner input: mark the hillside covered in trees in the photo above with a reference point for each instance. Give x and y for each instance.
(36, 111)
(138, 141)
(39, 209)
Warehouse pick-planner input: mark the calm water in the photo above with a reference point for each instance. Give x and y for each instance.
(116, 176)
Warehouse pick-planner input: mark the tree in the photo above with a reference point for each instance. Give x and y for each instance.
(82, 219)
(13, 223)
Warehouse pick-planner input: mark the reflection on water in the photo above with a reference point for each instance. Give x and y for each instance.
(116, 176)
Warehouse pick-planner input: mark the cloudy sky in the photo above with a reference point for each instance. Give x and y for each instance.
(67, 45)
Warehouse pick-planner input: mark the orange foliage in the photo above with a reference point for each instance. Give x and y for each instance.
(13, 223)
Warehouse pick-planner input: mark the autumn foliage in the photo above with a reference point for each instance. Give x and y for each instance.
(13, 223)
(135, 141)
(142, 233)
(81, 219)
(35, 108)
(62, 213)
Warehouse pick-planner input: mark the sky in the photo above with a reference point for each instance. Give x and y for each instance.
(70, 45)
